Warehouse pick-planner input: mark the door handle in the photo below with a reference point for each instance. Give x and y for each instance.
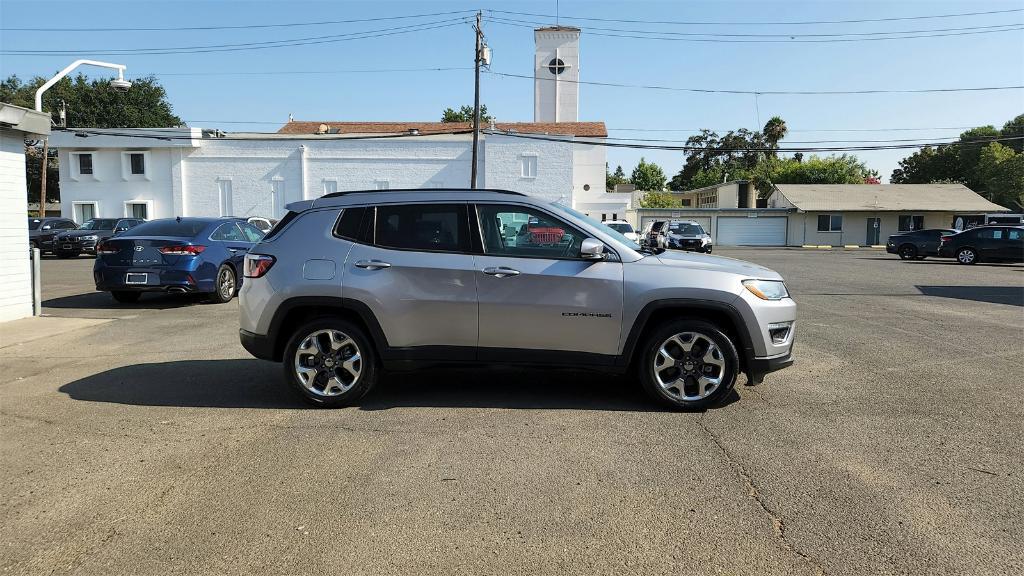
(500, 271)
(372, 264)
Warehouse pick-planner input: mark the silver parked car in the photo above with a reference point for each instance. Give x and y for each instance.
(688, 235)
(355, 282)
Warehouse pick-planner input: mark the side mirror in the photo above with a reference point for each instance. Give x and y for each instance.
(47, 227)
(592, 249)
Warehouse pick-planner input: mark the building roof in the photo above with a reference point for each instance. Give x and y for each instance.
(591, 129)
(24, 120)
(885, 197)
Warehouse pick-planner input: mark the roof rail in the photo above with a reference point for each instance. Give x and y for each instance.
(468, 190)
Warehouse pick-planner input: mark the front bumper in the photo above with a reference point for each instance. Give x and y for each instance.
(757, 368)
(74, 247)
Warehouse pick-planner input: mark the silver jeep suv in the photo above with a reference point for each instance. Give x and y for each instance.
(355, 282)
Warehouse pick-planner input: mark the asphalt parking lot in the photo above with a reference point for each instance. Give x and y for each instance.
(148, 442)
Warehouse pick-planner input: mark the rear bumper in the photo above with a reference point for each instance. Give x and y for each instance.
(259, 346)
(158, 280)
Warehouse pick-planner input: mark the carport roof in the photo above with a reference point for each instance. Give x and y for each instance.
(885, 198)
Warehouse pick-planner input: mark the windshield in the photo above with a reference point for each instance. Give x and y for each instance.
(99, 224)
(174, 228)
(686, 229)
(33, 223)
(615, 233)
(620, 228)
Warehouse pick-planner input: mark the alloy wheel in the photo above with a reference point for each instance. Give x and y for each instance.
(226, 284)
(328, 363)
(966, 256)
(689, 366)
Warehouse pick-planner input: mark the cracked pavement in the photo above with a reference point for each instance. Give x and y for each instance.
(152, 444)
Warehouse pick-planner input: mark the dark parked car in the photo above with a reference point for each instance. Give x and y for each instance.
(72, 243)
(688, 235)
(653, 234)
(985, 244)
(176, 255)
(42, 230)
(917, 244)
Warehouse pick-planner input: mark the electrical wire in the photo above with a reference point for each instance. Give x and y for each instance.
(796, 130)
(759, 92)
(749, 23)
(300, 72)
(312, 40)
(239, 26)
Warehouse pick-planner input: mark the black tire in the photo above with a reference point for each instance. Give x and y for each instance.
(367, 365)
(707, 332)
(126, 296)
(908, 252)
(225, 285)
(967, 256)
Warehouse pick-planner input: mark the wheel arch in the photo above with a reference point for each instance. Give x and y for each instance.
(657, 313)
(294, 312)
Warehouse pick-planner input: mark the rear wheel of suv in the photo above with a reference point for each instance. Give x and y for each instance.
(330, 362)
(908, 252)
(688, 364)
(126, 296)
(966, 256)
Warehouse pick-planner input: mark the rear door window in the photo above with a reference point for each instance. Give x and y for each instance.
(423, 227)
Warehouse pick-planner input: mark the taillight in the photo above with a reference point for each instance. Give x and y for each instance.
(256, 265)
(105, 248)
(945, 238)
(183, 250)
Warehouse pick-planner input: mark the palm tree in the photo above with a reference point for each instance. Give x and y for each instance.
(775, 130)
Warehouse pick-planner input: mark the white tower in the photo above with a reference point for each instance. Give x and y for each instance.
(556, 71)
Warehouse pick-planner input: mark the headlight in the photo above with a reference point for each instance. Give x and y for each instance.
(93, 237)
(767, 289)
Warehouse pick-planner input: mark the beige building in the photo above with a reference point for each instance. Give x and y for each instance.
(867, 214)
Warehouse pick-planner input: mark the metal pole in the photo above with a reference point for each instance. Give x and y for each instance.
(476, 104)
(42, 177)
(37, 283)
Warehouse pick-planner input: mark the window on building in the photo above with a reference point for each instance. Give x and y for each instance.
(85, 163)
(84, 211)
(381, 185)
(687, 202)
(330, 186)
(224, 192)
(138, 163)
(528, 233)
(425, 227)
(909, 222)
(136, 210)
(529, 166)
(604, 216)
(615, 216)
(830, 222)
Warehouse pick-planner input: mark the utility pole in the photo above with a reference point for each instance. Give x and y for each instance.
(42, 178)
(476, 100)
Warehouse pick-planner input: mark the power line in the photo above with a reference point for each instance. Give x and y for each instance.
(791, 35)
(793, 38)
(750, 23)
(759, 149)
(239, 26)
(761, 92)
(300, 72)
(795, 130)
(252, 45)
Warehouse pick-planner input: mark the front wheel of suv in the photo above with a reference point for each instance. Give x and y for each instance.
(330, 362)
(688, 364)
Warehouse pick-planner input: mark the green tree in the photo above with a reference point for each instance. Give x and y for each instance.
(465, 114)
(1002, 171)
(658, 200)
(648, 176)
(613, 179)
(1014, 129)
(734, 153)
(90, 104)
(774, 130)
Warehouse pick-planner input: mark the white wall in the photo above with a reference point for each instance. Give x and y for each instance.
(109, 185)
(15, 274)
(556, 101)
(503, 169)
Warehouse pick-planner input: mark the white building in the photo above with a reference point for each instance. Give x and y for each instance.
(159, 173)
(16, 124)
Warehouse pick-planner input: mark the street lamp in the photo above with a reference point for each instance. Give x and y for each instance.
(121, 85)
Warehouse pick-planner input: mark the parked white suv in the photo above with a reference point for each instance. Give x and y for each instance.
(624, 228)
(351, 283)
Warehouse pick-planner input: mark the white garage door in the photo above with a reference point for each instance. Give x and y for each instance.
(736, 231)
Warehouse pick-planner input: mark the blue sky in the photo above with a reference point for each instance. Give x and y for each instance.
(356, 80)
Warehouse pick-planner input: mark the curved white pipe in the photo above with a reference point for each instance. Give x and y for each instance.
(39, 93)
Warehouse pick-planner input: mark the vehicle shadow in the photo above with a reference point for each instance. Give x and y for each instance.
(103, 300)
(937, 261)
(1011, 295)
(254, 383)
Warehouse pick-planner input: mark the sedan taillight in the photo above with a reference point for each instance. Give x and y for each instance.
(256, 265)
(105, 248)
(183, 250)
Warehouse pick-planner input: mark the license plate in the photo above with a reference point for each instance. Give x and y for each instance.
(66, 246)
(136, 278)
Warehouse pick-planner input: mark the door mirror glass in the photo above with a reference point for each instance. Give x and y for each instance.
(47, 227)
(592, 249)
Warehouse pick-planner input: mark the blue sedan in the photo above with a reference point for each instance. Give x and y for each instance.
(176, 255)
